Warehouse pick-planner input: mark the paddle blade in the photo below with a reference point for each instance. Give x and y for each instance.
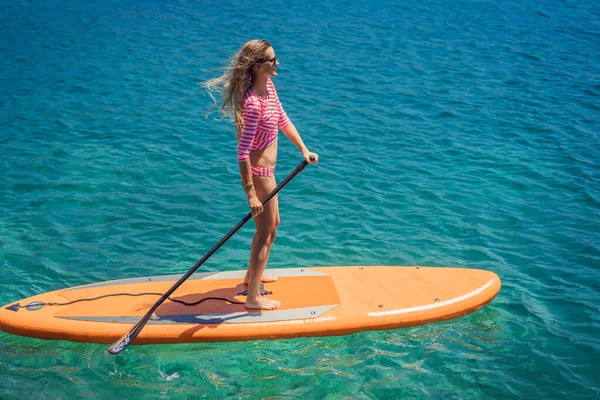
(119, 345)
(130, 336)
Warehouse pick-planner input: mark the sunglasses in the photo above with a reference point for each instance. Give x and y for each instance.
(273, 60)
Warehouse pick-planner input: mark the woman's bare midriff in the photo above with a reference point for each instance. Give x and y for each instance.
(266, 157)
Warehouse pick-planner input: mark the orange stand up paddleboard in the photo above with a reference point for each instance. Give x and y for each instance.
(208, 307)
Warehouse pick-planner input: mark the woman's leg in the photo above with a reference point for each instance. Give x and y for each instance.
(266, 226)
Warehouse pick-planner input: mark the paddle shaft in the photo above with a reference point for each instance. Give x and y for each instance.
(129, 337)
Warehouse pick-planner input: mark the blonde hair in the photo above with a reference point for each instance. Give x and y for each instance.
(232, 85)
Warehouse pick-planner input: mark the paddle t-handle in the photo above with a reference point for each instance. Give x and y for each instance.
(130, 336)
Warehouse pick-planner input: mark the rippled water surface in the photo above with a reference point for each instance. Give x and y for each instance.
(450, 133)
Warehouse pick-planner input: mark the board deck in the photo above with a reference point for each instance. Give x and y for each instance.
(316, 301)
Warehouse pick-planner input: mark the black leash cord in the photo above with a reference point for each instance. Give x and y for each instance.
(185, 303)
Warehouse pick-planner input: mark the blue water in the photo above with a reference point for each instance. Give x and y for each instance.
(459, 133)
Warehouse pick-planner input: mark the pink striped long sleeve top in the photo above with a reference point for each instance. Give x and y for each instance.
(261, 117)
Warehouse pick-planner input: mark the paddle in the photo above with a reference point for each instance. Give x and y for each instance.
(130, 336)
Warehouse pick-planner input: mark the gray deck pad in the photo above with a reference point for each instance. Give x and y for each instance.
(230, 318)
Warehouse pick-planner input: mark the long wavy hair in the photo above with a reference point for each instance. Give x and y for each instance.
(232, 85)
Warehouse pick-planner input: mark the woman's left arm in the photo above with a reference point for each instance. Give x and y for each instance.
(291, 133)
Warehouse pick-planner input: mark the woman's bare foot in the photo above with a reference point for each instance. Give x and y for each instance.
(262, 303)
(264, 279)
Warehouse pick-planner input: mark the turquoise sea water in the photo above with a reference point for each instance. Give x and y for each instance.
(450, 134)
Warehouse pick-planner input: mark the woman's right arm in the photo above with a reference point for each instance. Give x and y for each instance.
(251, 117)
(256, 206)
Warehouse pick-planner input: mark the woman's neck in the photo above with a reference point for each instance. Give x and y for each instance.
(259, 85)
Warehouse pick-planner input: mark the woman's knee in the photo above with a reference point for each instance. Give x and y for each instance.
(272, 227)
(272, 237)
(266, 238)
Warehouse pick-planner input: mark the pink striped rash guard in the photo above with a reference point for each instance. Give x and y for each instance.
(261, 117)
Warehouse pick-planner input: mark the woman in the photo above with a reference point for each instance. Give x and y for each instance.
(249, 96)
